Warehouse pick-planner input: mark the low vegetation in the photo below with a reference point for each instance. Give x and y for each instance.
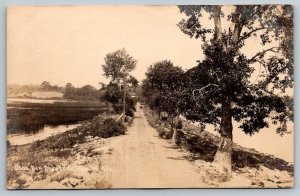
(93, 128)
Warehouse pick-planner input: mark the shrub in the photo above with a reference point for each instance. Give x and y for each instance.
(179, 124)
(64, 153)
(36, 145)
(112, 128)
(161, 131)
(130, 112)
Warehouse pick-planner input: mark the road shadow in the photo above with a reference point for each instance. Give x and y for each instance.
(171, 147)
(176, 158)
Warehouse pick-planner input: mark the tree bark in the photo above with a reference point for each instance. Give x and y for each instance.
(224, 153)
(236, 33)
(174, 135)
(217, 21)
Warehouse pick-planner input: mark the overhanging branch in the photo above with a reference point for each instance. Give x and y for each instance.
(262, 53)
(201, 89)
(250, 32)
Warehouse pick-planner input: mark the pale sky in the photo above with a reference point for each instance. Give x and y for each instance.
(62, 44)
(69, 43)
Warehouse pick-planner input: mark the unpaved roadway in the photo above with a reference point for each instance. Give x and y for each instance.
(140, 159)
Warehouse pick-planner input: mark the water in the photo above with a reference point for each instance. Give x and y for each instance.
(20, 139)
(25, 100)
(266, 141)
(29, 120)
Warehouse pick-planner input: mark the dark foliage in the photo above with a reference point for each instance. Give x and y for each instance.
(162, 89)
(113, 94)
(86, 92)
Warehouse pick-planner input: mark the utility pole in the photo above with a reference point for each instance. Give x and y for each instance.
(124, 96)
(124, 90)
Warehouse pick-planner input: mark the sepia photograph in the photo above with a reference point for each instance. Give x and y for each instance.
(150, 96)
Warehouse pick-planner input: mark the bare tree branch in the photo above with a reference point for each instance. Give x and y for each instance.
(262, 53)
(250, 32)
(201, 89)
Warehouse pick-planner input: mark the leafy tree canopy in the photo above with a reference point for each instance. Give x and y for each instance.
(248, 86)
(118, 64)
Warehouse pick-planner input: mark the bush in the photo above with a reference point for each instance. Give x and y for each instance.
(179, 124)
(36, 145)
(112, 128)
(64, 153)
(161, 131)
(130, 113)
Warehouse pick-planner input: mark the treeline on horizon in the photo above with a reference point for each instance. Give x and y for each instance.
(86, 92)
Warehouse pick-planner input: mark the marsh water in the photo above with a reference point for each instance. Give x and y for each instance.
(46, 131)
(29, 120)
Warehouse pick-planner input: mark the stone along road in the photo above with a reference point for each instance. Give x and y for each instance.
(140, 159)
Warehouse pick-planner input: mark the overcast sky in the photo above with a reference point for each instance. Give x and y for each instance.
(68, 44)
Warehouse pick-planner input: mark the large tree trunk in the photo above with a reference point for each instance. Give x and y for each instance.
(217, 21)
(223, 156)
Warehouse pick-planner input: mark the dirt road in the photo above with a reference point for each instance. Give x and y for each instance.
(140, 159)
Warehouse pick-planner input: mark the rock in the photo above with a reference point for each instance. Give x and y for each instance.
(101, 150)
(286, 185)
(97, 138)
(90, 154)
(237, 181)
(61, 175)
(283, 177)
(128, 119)
(265, 173)
(74, 182)
(257, 184)
(268, 184)
(75, 146)
(88, 138)
(12, 184)
(81, 161)
(84, 152)
(25, 178)
(64, 174)
(275, 175)
(66, 183)
(39, 184)
(252, 172)
(37, 178)
(200, 163)
(54, 185)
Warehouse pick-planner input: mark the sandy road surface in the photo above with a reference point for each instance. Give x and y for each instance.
(140, 159)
